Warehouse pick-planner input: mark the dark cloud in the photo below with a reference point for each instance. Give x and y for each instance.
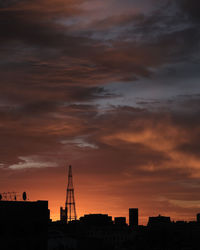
(191, 148)
(7, 3)
(192, 8)
(48, 43)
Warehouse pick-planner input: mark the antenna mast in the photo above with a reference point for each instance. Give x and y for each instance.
(70, 201)
(69, 213)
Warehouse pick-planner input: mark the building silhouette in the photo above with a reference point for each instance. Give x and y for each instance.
(120, 221)
(158, 221)
(96, 219)
(100, 232)
(133, 217)
(23, 225)
(26, 225)
(198, 217)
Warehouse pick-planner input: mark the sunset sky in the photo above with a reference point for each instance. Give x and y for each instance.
(111, 87)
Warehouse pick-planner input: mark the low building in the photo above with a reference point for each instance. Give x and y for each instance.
(96, 219)
(120, 221)
(159, 221)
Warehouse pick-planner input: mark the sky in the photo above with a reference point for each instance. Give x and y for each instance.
(110, 87)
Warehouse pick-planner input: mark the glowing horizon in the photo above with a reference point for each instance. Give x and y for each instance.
(110, 87)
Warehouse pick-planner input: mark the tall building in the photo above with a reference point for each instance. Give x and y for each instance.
(133, 217)
(24, 225)
(198, 217)
(63, 214)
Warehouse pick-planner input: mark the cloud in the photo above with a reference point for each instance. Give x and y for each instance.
(1, 165)
(52, 53)
(191, 7)
(80, 142)
(7, 3)
(31, 162)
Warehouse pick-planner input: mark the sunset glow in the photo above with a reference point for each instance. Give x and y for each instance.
(110, 87)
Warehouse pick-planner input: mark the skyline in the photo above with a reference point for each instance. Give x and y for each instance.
(110, 87)
(16, 196)
(132, 220)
